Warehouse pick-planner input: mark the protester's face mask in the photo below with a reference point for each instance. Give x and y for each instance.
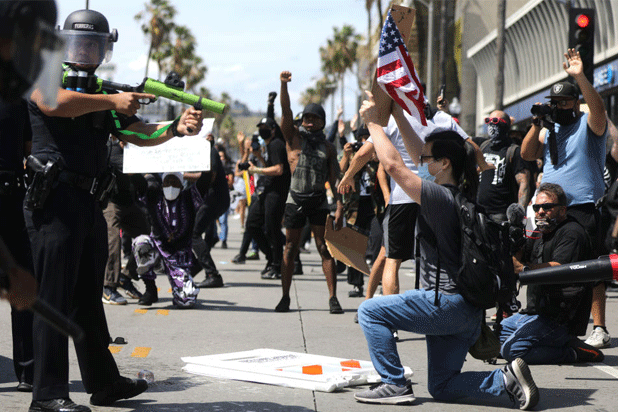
(265, 133)
(564, 116)
(171, 192)
(498, 132)
(546, 224)
(423, 172)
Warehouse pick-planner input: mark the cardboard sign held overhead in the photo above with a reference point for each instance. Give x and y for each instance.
(347, 245)
(404, 17)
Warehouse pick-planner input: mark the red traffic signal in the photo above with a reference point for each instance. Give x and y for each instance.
(582, 20)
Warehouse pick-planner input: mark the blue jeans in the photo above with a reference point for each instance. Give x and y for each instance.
(450, 329)
(536, 339)
(223, 226)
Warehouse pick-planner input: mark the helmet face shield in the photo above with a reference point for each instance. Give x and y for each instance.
(36, 59)
(87, 48)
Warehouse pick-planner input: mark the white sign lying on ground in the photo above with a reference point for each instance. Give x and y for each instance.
(290, 369)
(180, 154)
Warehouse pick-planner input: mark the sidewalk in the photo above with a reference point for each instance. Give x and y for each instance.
(240, 317)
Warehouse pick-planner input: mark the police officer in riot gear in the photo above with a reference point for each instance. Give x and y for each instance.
(63, 214)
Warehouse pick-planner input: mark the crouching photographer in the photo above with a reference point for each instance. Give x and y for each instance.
(546, 331)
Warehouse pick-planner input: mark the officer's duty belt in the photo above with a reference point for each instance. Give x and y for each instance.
(79, 181)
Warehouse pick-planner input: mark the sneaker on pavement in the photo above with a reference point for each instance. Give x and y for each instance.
(273, 273)
(60, 404)
(283, 305)
(585, 353)
(213, 280)
(599, 339)
(335, 307)
(356, 292)
(223, 244)
(239, 259)
(129, 288)
(253, 256)
(519, 384)
(387, 394)
(112, 297)
(266, 269)
(123, 388)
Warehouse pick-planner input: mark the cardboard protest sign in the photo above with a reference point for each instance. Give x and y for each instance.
(347, 245)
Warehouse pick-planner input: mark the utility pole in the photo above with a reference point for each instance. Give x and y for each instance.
(500, 40)
(443, 30)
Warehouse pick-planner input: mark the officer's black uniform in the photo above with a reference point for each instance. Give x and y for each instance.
(14, 131)
(69, 247)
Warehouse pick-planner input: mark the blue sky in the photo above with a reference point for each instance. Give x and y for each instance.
(275, 35)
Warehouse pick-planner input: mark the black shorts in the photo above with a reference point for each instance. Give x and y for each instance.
(399, 224)
(296, 219)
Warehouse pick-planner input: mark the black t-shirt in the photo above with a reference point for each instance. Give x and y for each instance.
(276, 154)
(80, 143)
(498, 187)
(14, 131)
(569, 303)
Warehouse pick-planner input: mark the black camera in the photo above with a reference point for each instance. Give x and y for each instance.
(356, 146)
(243, 166)
(255, 142)
(542, 110)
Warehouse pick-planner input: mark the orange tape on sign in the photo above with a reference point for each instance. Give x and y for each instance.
(351, 364)
(312, 370)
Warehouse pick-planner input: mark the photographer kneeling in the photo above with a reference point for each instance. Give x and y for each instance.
(546, 331)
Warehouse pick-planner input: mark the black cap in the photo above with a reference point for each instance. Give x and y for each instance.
(563, 90)
(24, 13)
(316, 109)
(267, 121)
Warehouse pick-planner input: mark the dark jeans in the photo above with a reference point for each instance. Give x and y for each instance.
(218, 201)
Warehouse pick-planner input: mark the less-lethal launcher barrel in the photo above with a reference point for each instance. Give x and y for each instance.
(161, 89)
(603, 268)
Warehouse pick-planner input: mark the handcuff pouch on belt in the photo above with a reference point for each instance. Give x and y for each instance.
(42, 178)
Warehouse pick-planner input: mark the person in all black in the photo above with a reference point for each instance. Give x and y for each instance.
(65, 221)
(509, 181)
(216, 197)
(546, 331)
(268, 200)
(15, 142)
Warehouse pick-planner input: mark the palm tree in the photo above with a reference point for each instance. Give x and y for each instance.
(324, 88)
(158, 24)
(339, 55)
(182, 58)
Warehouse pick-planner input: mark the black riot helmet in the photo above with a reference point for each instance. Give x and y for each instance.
(88, 39)
(31, 49)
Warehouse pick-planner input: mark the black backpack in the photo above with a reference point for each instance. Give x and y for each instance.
(486, 276)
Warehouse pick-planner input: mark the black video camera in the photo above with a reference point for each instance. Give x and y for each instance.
(356, 146)
(243, 166)
(255, 142)
(544, 112)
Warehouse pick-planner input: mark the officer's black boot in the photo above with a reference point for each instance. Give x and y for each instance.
(150, 296)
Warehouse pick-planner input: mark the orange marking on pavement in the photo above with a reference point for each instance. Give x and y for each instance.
(163, 312)
(312, 370)
(141, 311)
(140, 352)
(115, 349)
(351, 363)
(158, 289)
(169, 290)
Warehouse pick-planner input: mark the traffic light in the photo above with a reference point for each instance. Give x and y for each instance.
(581, 37)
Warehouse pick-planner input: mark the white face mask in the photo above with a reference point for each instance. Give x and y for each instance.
(171, 192)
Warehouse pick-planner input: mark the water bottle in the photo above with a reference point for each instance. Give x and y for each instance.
(147, 375)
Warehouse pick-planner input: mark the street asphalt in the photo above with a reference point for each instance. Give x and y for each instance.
(240, 317)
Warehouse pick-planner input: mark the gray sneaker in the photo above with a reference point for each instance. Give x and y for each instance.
(112, 297)
(387, 394)
(519, 384)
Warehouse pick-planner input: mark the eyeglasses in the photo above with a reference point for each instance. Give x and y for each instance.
(423, 157)
(494, 120)
(562, 103)
(545, 206)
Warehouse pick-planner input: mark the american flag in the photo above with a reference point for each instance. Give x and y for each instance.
(396, 73)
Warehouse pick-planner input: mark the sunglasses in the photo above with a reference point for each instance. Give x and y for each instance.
(545, 206)
(494, 120)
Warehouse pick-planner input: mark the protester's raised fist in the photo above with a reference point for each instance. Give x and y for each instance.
(286, 76)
